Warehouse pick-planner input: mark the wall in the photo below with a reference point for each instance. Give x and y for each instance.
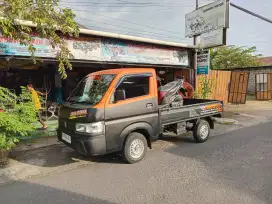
(252, 73)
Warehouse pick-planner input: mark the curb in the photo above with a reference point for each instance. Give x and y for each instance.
(226, 121)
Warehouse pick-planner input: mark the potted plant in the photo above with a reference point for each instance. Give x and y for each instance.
(17, 119)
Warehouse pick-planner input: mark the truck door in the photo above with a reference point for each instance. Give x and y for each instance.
(137, 106)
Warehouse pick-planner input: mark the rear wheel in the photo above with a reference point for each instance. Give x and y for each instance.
(201, 131)
(135, 148)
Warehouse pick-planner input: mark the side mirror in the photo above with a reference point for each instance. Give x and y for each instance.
(119, 95)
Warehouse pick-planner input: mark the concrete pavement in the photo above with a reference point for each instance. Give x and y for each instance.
(252, 107)
(230, 168)
(48, 156)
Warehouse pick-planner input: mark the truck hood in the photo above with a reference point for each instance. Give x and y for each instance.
(80, 113)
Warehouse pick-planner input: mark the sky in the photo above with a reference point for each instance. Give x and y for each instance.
(165, 19)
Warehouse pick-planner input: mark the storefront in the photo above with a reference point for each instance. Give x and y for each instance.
(93, 51)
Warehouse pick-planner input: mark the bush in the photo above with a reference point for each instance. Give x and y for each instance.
(204, 89)
(17, 118)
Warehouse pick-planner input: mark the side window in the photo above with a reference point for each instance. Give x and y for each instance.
(134, 86)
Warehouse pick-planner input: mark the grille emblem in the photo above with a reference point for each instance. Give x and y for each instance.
(65, 124)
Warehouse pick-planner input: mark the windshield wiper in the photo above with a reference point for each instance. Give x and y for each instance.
(80, 102)
(72, 101)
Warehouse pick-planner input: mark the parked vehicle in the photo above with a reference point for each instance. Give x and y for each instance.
(118, 110)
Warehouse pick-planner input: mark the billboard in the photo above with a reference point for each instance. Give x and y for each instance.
(207, 18)
(212, 39)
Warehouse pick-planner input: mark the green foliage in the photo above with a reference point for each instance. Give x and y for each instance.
(229, 57)
(204, 88)
(52, 22)
(18, 117)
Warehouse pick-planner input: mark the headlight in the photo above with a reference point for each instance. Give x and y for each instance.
(93, 128)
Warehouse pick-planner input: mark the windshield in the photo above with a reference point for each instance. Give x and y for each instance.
(91, 89)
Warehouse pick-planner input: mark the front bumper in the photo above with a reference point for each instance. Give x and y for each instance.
(86, 145)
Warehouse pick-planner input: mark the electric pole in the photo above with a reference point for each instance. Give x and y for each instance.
(195, 53)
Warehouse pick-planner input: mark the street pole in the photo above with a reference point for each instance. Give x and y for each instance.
(195, 37)
(195, 54)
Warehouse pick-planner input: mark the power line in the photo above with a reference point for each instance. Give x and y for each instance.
(126, 4)
(161, 34)
(118, 11)
(141, 31)
(130, 22)
(126, 32)
(251, 13)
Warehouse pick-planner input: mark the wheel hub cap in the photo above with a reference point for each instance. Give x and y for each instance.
(136, 149)
(204, 131)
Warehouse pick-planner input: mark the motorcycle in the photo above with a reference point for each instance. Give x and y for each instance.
(173, 93)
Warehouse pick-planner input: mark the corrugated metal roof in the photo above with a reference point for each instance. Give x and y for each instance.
(267, 61)
(121, 36)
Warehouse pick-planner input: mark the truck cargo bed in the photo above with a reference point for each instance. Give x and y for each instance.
(191, 109)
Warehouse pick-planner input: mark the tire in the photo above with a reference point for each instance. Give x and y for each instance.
(201, 131)
(135, 148)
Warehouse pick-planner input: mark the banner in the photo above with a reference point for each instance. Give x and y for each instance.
(116, 51)
(14, 48)
(95, 49)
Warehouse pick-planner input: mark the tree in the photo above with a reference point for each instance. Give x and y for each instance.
(230, 57)
(17, 117)
(52, 23)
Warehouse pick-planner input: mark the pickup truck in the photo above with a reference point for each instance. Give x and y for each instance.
(117, 110)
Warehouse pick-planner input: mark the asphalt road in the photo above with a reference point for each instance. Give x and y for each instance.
(231, 168)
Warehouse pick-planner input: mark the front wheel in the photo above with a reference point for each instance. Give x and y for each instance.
(135, 148)
(201, 131)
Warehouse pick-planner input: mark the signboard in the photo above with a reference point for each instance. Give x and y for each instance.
(207, 18)
(203, 62)
(14, 48)
(212, 39)
(85, 48)
(117, 51)
(96, 49)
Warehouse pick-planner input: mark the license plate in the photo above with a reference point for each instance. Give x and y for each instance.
(66, 138)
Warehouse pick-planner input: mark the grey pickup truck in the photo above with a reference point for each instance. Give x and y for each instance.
(119, 110)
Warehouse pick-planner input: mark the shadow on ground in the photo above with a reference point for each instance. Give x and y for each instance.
(25, 193)
(59, 155)
(50, 156)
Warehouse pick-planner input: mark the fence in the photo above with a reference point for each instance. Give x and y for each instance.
(215, 85)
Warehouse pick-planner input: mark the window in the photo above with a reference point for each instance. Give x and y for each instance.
(134, 86)
(261, 82)
(91, 89)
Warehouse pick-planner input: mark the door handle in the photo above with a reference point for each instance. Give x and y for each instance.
(149, 105)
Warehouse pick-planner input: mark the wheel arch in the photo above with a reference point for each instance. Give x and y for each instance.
(210, 121)
(141, 127)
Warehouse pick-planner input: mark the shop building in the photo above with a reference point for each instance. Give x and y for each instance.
(93, 51)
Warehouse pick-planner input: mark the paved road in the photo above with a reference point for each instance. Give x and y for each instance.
(231, 168)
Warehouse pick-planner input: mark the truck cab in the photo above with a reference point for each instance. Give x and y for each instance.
(117, 110)
(108, 105)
